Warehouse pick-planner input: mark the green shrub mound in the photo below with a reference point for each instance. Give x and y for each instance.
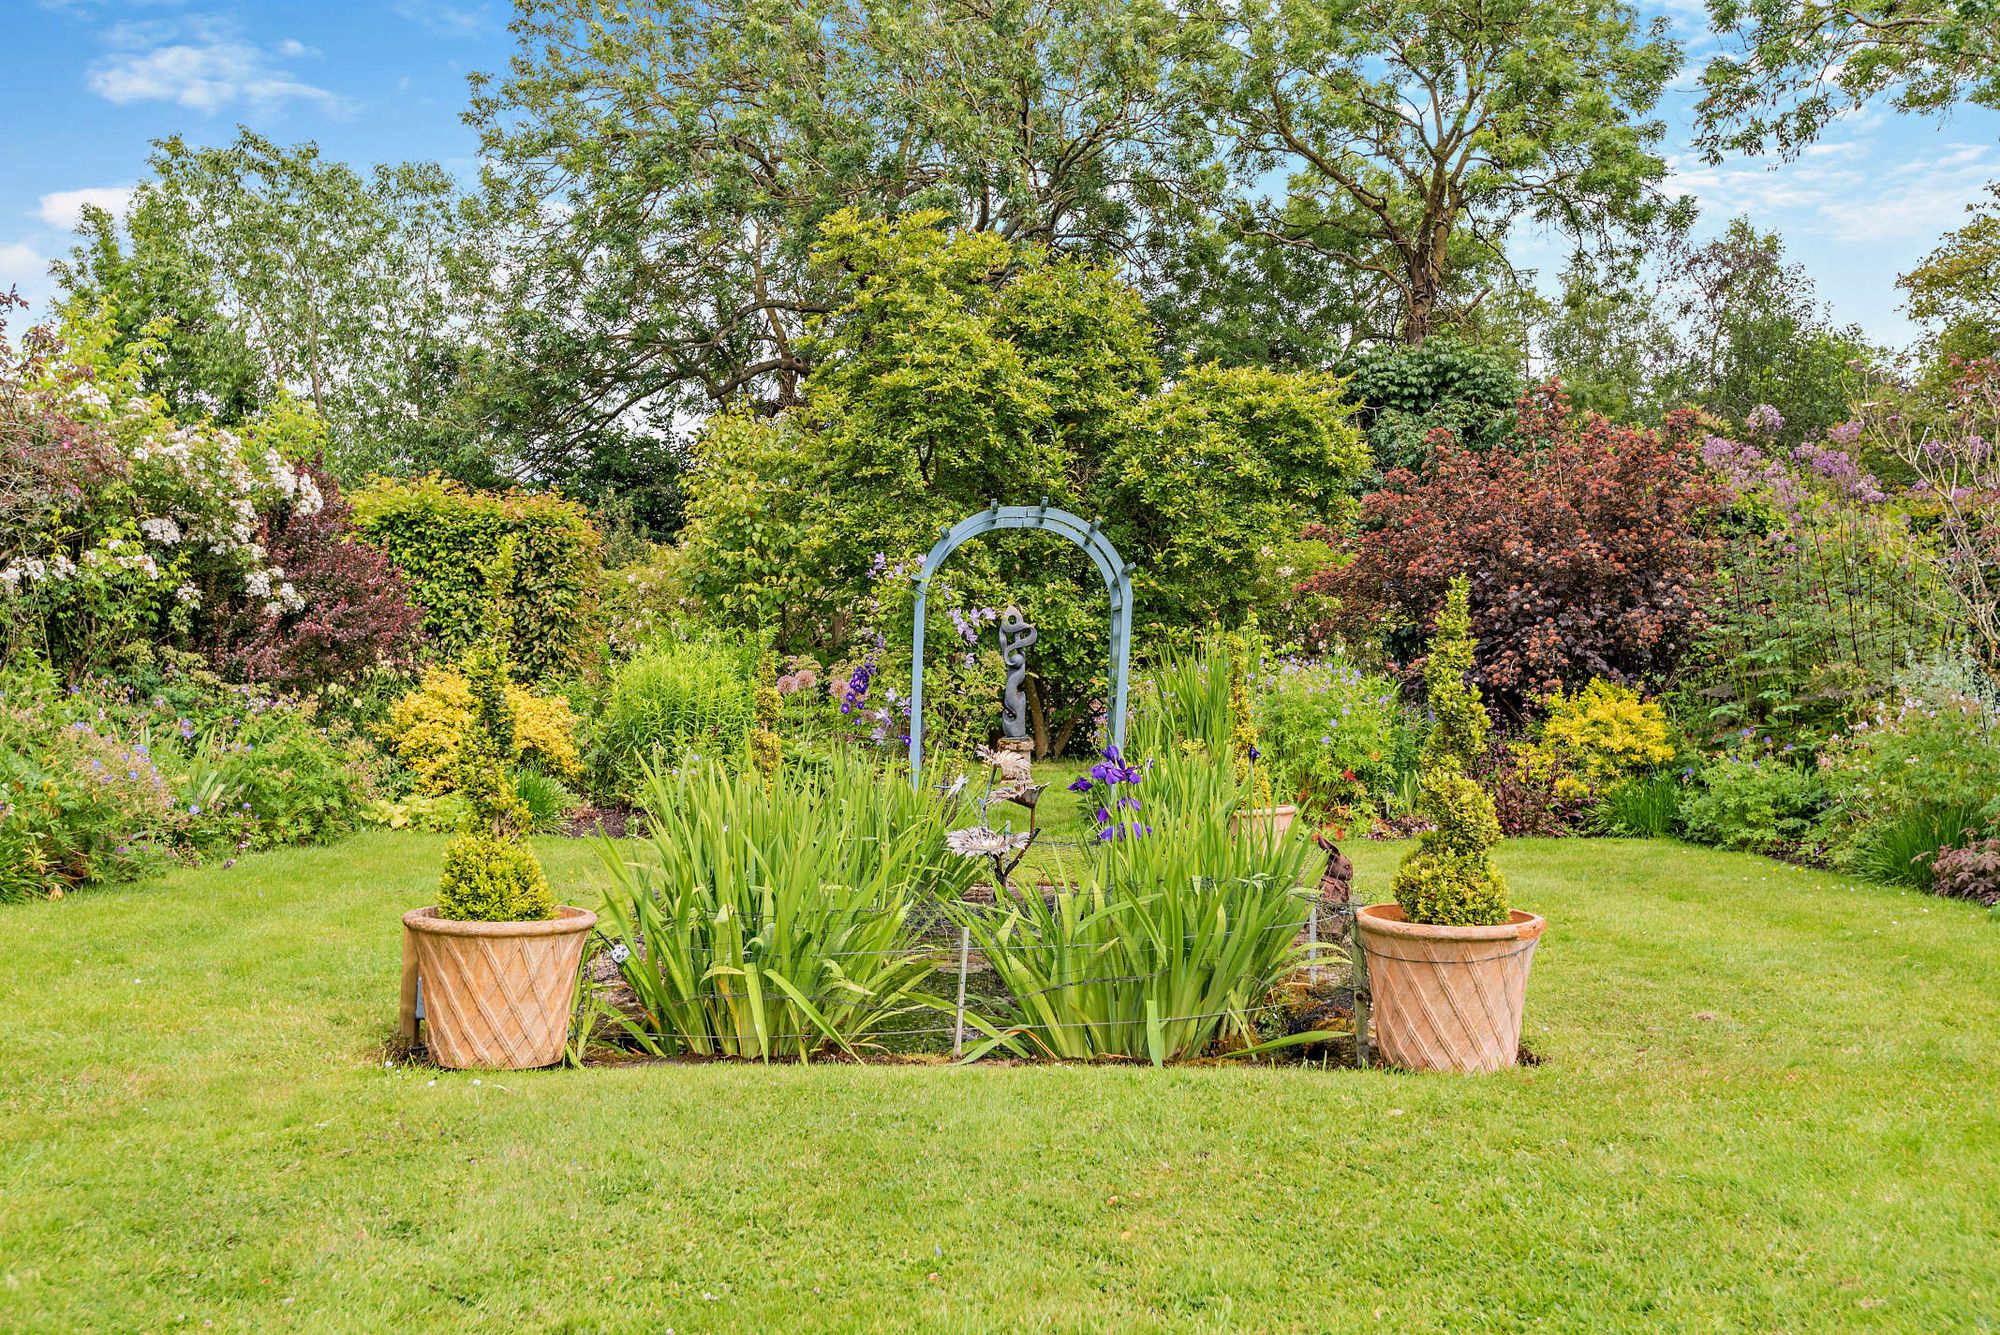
(493, 880)
(1449, 880)
(674, 700)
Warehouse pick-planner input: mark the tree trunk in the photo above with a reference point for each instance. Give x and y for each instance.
(1038, 717)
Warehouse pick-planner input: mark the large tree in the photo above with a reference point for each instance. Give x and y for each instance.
(1956, 289)
(1415, 136)
(956, 368)
(1798, 64)
(1752, 331)
(282, 272)
(663, 168)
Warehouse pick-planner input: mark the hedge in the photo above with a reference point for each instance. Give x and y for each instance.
(441, 536)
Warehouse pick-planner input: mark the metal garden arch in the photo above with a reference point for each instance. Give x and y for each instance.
(1117, 583)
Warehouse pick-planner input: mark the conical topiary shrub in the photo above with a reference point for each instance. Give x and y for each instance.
(1449, 879)
(1448, 961)
(496, 958)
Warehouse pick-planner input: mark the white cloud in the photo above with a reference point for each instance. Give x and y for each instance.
(64, 208)
(203, 65)
(1841, 190)
(446, 20)
(24, 267)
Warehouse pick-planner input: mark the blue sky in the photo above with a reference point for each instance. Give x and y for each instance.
(90, 82)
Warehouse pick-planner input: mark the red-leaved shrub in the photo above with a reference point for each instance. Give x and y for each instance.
(356, 613)
(1972, 872)
(1583, 541)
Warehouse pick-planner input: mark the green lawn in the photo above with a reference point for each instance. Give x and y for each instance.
(1768, 1102)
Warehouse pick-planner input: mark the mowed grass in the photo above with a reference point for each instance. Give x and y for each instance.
(1767, 1102)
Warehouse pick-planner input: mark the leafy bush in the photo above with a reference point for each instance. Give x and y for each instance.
(1584, 545)
(1173, 939)
(1813, 614)
(427, 726)
(1449, 879)
(1406, 392)
(354, 611)
(1911, 778)
(105, 782)
(299, 785)
(1971, 872)
(773, 920)
(1334, 736)
(643, 601)
(490, 875)
(443, 539)
(1757, 803)
(118, 523)
(1528, 800)
(1590, 739)
(677, 698)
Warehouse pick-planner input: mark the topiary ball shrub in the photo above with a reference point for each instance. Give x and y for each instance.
(1450, 880)
(488, 879)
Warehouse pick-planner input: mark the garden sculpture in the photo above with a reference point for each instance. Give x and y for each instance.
(1016, 634)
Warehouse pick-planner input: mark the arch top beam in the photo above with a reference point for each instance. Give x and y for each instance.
(1085, 534)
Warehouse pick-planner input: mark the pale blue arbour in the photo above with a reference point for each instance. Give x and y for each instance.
(1117, 583)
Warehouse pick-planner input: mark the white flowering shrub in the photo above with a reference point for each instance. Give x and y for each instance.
(114, 518)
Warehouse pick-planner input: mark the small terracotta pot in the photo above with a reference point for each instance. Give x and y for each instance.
(1448, 998)
(1270, 821)
(497, 995)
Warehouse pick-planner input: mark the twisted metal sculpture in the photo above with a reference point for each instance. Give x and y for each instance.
(1016, 634)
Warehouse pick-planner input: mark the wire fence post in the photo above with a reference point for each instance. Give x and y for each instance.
(1312, 946)
(964, 953)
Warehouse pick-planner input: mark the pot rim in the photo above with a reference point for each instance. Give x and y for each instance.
(1269, 811)
(568, 921)
(1388, 920)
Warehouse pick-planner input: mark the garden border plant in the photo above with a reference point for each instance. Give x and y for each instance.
(1448, 962)
(493, 965)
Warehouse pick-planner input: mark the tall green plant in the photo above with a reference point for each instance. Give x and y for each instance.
(1185, 700)
(675, 700)
(773, 918)
(490, 874)
(1449, 878)
(1172, 939)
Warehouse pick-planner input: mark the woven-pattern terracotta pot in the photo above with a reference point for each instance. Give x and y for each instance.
(1447, 998)
(497, 995)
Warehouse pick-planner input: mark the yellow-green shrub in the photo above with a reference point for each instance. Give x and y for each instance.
(1593, 738)
(426, 726)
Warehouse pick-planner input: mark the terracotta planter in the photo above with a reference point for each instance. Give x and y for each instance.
(496, 995)
(1268, 821)
(1447, 998)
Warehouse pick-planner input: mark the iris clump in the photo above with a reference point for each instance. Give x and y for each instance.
(1113, 785)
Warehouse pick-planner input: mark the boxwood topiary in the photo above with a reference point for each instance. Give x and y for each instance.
(1449, 879)
(490, 875)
